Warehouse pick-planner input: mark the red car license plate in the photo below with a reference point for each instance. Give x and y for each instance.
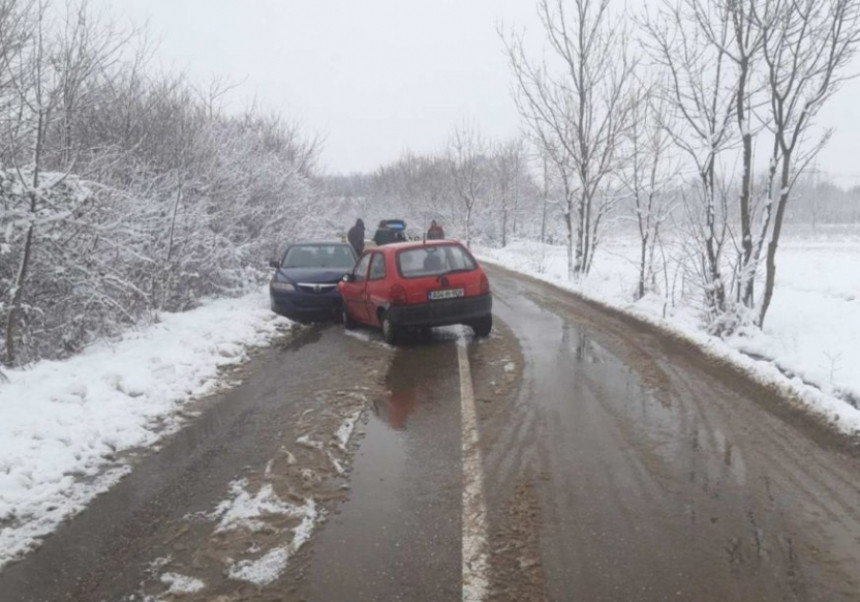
(451, 293)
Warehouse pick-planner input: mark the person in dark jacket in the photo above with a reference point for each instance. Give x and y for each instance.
(383, 234)
(355, 236)
(435, 232)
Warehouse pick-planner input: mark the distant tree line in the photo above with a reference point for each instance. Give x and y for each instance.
(692, 122)
(479, 191)
(124, 192)
(689, 91)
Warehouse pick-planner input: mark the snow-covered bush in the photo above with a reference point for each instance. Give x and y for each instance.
(123, 194)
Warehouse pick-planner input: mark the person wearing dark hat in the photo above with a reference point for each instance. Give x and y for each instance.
(355, 236)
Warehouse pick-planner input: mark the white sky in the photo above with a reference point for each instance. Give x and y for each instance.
(377, 77)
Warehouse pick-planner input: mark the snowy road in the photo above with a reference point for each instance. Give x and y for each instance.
(616, 465)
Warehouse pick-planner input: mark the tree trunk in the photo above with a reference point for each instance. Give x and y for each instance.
(67, 132)
(586, 229)
(580, 236)
(173, 221)
(770, 268)
(24, 266)
(545, 202)
(516, 193)
(17, 295)
(715, 294)
(747, 275)
(543, 221)
(568, 221)
(504, 226)
(643, 260)
(770, 275)
(747, 264)
(469, 225)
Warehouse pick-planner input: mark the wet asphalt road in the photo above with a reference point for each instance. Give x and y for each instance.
(617, 465)
(398, 536)
(107, 552)
(661, 476)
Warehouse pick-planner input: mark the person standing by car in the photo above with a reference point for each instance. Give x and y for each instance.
(355, 236)
(383, 234)
(435, 232)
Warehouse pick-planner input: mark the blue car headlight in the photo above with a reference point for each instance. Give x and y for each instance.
(284, 287)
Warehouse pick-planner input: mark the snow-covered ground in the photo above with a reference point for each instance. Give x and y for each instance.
(811, 332)
(63, 424)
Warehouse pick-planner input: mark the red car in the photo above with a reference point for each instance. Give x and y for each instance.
(417, 285)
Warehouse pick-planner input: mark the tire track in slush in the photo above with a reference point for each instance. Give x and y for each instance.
(475, 545)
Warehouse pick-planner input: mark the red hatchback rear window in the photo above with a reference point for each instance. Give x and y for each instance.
(433, 260)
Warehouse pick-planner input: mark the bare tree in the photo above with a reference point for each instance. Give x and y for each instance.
(547, 128)
(467, 154)
(37, 99)
(703, 93)
(581, 113)
(507, 164)
(742, 47)
(86, 47)
(544, 196)
(806, 46)
(433, 190)
(649, 175)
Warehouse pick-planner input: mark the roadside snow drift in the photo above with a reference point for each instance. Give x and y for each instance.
(63, 423)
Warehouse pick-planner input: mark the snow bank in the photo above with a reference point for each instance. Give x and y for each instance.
(63, 423)
(810, 334)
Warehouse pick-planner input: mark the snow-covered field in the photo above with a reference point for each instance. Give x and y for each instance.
(811, 333)
(63, 424)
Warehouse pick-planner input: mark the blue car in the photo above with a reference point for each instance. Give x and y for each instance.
(304, 285)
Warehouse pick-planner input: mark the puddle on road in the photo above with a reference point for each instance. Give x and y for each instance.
(677, 433)
(403, 506)
(568, 371)
(406, 377)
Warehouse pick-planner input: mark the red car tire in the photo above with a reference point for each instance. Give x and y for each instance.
(390, 332)
(347, 320)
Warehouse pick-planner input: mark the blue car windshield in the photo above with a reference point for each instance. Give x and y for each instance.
(319, 256)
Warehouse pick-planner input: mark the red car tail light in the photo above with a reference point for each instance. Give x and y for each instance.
(485, 284)
(397, 295)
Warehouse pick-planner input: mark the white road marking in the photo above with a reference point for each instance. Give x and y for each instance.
(475, 545)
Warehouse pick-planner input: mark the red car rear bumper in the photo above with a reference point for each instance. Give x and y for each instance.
(442, 313)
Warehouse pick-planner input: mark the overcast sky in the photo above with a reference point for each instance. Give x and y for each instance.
(377, 77)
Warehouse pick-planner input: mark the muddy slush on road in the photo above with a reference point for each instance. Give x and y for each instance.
(615, 464)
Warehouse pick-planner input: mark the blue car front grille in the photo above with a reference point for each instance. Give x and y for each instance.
(314, 288)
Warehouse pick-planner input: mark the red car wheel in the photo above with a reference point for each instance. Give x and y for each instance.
(389, 330)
